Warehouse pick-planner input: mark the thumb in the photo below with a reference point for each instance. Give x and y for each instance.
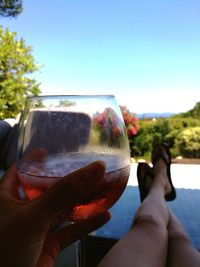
(75, 231)
(10, 181)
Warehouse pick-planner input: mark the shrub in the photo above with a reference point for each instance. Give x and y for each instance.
(188, 142)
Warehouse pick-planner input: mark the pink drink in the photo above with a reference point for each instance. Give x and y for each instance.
(36, 177)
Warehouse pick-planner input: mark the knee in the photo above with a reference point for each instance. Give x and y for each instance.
(151, 228)
(148, 221)
(178, 235)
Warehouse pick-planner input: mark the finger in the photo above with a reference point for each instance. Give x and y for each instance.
(70, 190)
(74, 232)
(10, 181)
(58, 240)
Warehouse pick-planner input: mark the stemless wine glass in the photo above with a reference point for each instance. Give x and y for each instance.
(73, 131)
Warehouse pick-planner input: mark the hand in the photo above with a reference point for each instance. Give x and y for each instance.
(26, 235)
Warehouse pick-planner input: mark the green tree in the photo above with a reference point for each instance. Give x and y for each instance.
(10, 8)
(16, 66)
(194, 112)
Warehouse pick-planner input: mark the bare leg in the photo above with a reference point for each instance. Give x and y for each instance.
(145, 245)
(181, 252)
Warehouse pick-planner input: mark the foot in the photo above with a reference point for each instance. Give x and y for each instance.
(161, 159)
(145, 179)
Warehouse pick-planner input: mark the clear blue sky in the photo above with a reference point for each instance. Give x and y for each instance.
(145, 52)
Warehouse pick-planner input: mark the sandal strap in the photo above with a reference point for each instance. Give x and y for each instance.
(158, 152)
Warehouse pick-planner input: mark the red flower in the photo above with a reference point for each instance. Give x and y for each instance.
(130, 120)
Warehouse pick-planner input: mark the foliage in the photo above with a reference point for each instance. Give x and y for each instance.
(180, 132)
(176, 131)
(195, 112)
(16, 66)
(150, 133)
(189, 142)
(10, 8)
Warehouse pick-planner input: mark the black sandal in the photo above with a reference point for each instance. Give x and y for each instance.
(158, 154)
(144, 176)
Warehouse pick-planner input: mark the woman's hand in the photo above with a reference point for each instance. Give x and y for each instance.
(26, 235)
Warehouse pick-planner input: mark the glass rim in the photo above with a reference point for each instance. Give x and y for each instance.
(72, 96)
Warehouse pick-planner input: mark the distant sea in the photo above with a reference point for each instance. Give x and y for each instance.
(155, 115)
